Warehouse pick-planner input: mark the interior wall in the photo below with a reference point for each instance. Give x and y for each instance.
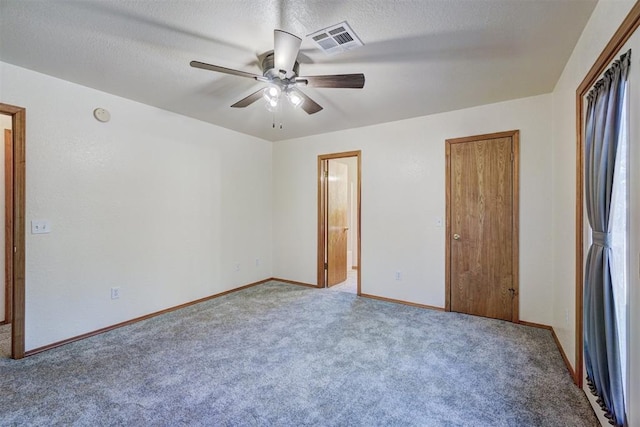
(403, 201)
(5, 123)
(167, 208)
(605, 20)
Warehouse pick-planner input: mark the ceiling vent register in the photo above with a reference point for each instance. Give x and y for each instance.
(336, 39)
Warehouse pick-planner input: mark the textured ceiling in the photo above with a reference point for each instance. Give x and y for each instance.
(420, 57)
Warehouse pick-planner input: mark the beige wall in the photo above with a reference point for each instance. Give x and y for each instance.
(160, 205)
(403, 195)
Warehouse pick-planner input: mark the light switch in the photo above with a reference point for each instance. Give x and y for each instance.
(40, 226)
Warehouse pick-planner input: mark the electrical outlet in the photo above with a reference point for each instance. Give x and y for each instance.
(238, 266)
(257, 262)
(115, 293)
(398, 275)
(566, 316)
(40, 226)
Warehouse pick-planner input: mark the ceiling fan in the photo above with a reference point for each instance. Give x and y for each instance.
(280, 71)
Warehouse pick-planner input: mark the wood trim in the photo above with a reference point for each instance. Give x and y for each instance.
(359, 216)
(18, 127)
(611, 50)
(293, 282)
(138, 319)
(579, 245)
(515, 220)
(515, 247)
(397, 301)
(8, 223)
(322, 160)
(447, 228)
(555, 338)
(320, 255)
(495, 135)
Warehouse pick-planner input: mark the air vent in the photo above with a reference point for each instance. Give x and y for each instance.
(336, 38)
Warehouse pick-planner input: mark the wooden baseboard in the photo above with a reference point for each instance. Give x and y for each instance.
(555, 338)
(138, 319)
(397, 301)
(293, 282)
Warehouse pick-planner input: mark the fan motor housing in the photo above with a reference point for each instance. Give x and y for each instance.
(269, 71)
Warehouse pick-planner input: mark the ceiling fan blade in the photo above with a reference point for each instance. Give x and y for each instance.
(285, 50)
(248, 100)
(219, 69)
(349, 81)
(309, 105)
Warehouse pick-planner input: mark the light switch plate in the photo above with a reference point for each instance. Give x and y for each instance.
(40, 226)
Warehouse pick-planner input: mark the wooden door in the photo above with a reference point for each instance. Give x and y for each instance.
(337, 225)
(482, 225)
(8, 223)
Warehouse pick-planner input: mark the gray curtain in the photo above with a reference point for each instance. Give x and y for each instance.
(601, 351)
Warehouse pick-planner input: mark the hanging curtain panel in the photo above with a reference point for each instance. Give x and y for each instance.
(604, 118)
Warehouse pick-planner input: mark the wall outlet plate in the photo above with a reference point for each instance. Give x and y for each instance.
(40, 226)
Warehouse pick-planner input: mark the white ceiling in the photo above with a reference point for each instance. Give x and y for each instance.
(420, 56)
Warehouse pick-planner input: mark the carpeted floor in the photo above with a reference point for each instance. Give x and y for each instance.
(350, 285)
(279, 354)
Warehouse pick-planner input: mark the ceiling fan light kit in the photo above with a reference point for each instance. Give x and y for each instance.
(295, 98)
(280, 71)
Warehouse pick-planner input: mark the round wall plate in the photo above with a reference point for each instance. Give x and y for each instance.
(101, 115)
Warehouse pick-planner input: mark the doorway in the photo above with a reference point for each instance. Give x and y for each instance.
(482, 225)
(14, 236)
(339, 258)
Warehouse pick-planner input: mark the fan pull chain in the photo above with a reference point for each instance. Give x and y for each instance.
(273, 121)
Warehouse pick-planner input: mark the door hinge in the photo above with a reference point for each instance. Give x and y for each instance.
(326, 174)
(512, 156)
(326, 266)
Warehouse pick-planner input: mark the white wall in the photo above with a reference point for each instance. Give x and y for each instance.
(160, 205)
(603, 23)
(5, 123)
(403, 194)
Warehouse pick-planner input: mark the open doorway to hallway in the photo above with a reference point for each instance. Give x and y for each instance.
(339, 222)
(12, 319)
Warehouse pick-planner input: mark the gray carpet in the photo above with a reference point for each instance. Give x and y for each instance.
(279, 354)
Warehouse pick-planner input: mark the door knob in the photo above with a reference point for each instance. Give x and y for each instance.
(456, 237)
(345, 228)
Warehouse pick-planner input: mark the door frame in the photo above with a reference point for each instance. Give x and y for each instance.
(8, 224)
(17, 231)
(322, 214)
(515, 200)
